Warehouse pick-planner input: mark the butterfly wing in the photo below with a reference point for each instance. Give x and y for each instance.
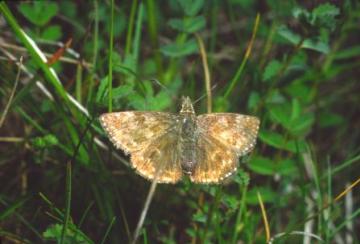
(150, 138)
(223, 137)
(235, 131)
(160, 160)
(215, 161)
(132, 131)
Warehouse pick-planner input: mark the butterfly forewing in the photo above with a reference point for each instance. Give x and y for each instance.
(151, 139)
(134, 130)
(235, 131)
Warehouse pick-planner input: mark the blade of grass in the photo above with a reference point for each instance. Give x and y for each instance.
(111, 44)
(144, 211)
(108, 230)
(153, 32)
(265, 219)
(206, 72)
(34, 51)
(129, 34)
(67, 203)
(78, 86)
(238, 73)
(12, 94)
(137, 36)
(95, 52)
(239, 215)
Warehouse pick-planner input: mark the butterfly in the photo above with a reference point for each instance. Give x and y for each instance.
(166, 146)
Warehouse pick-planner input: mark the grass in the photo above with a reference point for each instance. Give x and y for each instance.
(295, 66)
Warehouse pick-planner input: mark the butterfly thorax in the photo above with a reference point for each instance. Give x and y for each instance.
(188, 137)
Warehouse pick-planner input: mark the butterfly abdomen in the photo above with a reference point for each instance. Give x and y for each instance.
(188, 138)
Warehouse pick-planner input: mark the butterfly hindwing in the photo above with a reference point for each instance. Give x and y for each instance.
(215, 161)
(160, 160)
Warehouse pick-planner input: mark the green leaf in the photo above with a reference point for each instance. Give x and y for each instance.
(348, 53)
(175, 50)
(45, 141)
(101, 90)
(52, 33)
(295, 109)
(53, 232)
(280, 113)
(38, 12)
(314, 44)
(267, 195)
(286, 167)
(289, 35)
(221, 104)
(261, 165)
(324, 16)
(279, 141)
(254, 100)
(199, 217)
(122, 91)
(271, 70)
(301, 124)
(191, 7)
(328, 119)
(290, 116)
(188, 25)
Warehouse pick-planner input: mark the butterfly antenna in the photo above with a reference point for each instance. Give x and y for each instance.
(204, 95)
(157, 82)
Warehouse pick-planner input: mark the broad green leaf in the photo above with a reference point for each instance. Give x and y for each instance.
(267, 196)
(45, 141)
(324, 16)
(280, 113)
(122, 91)
(295, 109)
(314, 43)
(254, 100)
(279, 141)
(191, 7)
(53, 232)
(286, 167)
(38, 12)
(188, 25)
(328, 119)
(200, 217)
(348, 53)
(302, 123)
(261, 165)
(52, 32)
(291, 117)
(271, 70)
(221, 104)
(301, 91)
(175, 50)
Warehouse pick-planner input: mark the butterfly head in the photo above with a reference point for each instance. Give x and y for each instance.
(186, 106)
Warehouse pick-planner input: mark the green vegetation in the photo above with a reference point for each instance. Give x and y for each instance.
(294, 65)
